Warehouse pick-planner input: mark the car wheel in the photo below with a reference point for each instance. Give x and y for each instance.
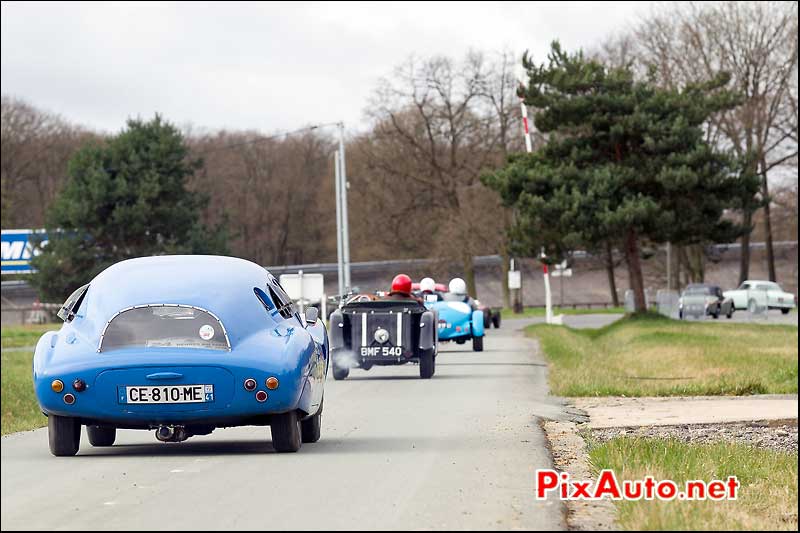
(340, 373)
(785, 311)
(311, 427)
(487, 320)
(286, 433)
(101, 436)
(680, 315)
(64, 435)
(729, 314)
(426, 364)
(496, 320)
(477, 344)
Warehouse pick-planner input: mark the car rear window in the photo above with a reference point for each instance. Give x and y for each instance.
(164, 326)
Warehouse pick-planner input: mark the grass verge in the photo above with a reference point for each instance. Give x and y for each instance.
(767, 497)
(650, 355)
(20, 411)
(27, 335)
(540, 311)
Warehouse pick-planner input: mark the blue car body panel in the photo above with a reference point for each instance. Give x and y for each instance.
(457, 320)
(262, 344)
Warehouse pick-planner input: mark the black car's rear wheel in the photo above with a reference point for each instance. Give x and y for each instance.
(340, 373)
(311, 427)
(496, 320)
(785, 310)
(477, 344)
(101, 436)
(286, 433)
(64, 435)
(426, 364)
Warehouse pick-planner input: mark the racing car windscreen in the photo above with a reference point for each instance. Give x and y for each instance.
(164, 326)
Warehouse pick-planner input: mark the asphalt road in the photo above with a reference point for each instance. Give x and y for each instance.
(455, 452)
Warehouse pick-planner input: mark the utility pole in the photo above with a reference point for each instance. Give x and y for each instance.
(345, 220)
(339, 256)
(548, 303)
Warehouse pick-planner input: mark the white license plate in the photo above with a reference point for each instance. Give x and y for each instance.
(167, 394)
(381, 351)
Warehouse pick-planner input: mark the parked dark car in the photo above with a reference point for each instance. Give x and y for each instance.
(699, 300)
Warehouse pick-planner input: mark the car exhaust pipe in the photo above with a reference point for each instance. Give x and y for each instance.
(165, 433)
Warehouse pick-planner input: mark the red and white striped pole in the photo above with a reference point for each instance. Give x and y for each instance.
(548, 300)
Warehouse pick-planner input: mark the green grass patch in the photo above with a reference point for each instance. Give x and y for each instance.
(540, 311)
(20, 409)
(651, 355)
(28, 335)
(767, 498)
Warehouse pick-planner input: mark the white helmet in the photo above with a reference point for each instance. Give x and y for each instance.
(427, 285)
(457, 286)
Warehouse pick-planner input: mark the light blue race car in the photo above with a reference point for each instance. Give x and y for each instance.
(458, 321)
(181, 345)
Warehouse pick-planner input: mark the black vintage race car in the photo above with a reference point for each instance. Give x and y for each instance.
(368, 331)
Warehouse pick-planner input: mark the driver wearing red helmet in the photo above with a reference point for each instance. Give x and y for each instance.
(401, 289)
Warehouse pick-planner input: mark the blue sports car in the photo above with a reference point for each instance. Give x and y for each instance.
(182, 345)
(459, 321)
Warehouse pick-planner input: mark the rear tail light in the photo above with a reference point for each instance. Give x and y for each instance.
(79, 385)
(261, 396)
(250, 384)
(272, 383)
(69, 399)
(57, 385)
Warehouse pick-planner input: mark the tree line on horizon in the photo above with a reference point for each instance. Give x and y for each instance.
(440, 171)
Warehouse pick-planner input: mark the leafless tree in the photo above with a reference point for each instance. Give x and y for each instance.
(437, 124)
(756, 42)
(36, 146)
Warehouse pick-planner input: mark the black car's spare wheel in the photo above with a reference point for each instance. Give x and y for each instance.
(101, 436)
(286, 432)
(426, 363)
(64, 434)
(477, 344)
(311, 427)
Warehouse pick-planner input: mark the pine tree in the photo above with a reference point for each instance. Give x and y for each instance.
(624, 160)
(126, 197)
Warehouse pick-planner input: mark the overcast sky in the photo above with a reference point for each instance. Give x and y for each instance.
(263, 66)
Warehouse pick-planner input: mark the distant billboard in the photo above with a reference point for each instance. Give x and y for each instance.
(19, 248)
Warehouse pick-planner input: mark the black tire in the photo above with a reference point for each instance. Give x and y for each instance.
(487, 320)
(477, 344)
(729, 314)
(785, 311)
(311, 428)
(680, 314)
(426, 364)
(496, 320)
(101, 436)
(286, 436)
(340, 373)
(64, 435)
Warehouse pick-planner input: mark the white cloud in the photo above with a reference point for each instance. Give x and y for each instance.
(264, 66)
